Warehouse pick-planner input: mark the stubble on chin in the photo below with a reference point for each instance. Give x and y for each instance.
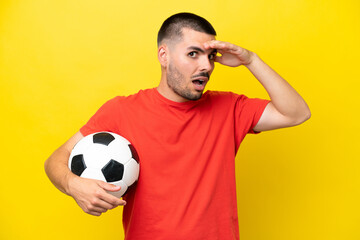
(177, 83)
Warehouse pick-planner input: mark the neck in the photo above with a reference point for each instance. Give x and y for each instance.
(167, 92)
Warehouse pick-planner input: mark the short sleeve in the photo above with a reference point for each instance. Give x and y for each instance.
(104, 119)
(247, 114)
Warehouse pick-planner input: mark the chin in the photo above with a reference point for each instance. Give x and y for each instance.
(194, 97)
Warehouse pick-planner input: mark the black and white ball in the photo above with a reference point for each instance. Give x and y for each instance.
(108, 157)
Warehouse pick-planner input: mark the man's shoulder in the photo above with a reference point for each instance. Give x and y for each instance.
(141, 94)
(225, 99)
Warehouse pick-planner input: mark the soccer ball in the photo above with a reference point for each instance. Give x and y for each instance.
(108, 157)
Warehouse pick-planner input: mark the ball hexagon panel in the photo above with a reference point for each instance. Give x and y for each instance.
(81, 146)
(120, 151)
(130, 167)
(93, 174)
(97, 156)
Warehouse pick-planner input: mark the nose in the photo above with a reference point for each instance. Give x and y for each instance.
(206, 65)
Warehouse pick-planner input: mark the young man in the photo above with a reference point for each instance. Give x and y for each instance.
(186, 140)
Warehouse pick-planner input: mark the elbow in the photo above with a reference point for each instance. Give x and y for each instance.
(46, 166)
(308, 115)
(305, 115)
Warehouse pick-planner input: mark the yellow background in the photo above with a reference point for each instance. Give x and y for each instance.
(61, 60)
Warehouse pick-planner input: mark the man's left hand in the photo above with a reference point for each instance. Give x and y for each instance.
(231, 54)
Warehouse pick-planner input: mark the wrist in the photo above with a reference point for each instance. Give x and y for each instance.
(69, 182)
(252, 59)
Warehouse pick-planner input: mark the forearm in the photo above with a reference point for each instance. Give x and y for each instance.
(283, 96)
(89, 194)
(56, 166)
(57, 170)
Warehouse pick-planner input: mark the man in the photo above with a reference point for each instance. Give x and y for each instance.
(186, 140)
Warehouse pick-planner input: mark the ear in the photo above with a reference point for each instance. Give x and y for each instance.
(163, 55)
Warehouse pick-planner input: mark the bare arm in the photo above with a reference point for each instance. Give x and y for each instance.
(89, 194)
(287, 108)
(56, 166)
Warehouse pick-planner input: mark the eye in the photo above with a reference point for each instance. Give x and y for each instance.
(192, 54)
(212, 56)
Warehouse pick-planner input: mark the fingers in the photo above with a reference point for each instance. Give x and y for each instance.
(109, 187)
(102, 201)
(108, 197)
(93, 196)
(231, 54)
(221, 46)
(219, 59)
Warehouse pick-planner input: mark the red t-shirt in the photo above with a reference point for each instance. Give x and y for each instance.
(186, 187)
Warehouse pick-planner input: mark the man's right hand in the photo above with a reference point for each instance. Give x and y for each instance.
(92, 196)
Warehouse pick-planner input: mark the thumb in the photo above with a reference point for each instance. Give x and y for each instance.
(109, 187)
(219, 59)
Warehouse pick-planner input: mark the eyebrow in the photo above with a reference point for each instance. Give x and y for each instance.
(200, 49)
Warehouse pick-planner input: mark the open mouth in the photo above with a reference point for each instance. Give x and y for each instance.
(199, 82)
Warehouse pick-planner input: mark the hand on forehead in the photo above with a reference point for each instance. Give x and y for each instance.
(221, 46)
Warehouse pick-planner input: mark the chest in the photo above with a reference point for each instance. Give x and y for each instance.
(168, 126)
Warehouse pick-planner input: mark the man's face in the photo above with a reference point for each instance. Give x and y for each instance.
(189, 65)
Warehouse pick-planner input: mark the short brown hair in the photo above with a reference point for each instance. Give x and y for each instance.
(172, 27)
